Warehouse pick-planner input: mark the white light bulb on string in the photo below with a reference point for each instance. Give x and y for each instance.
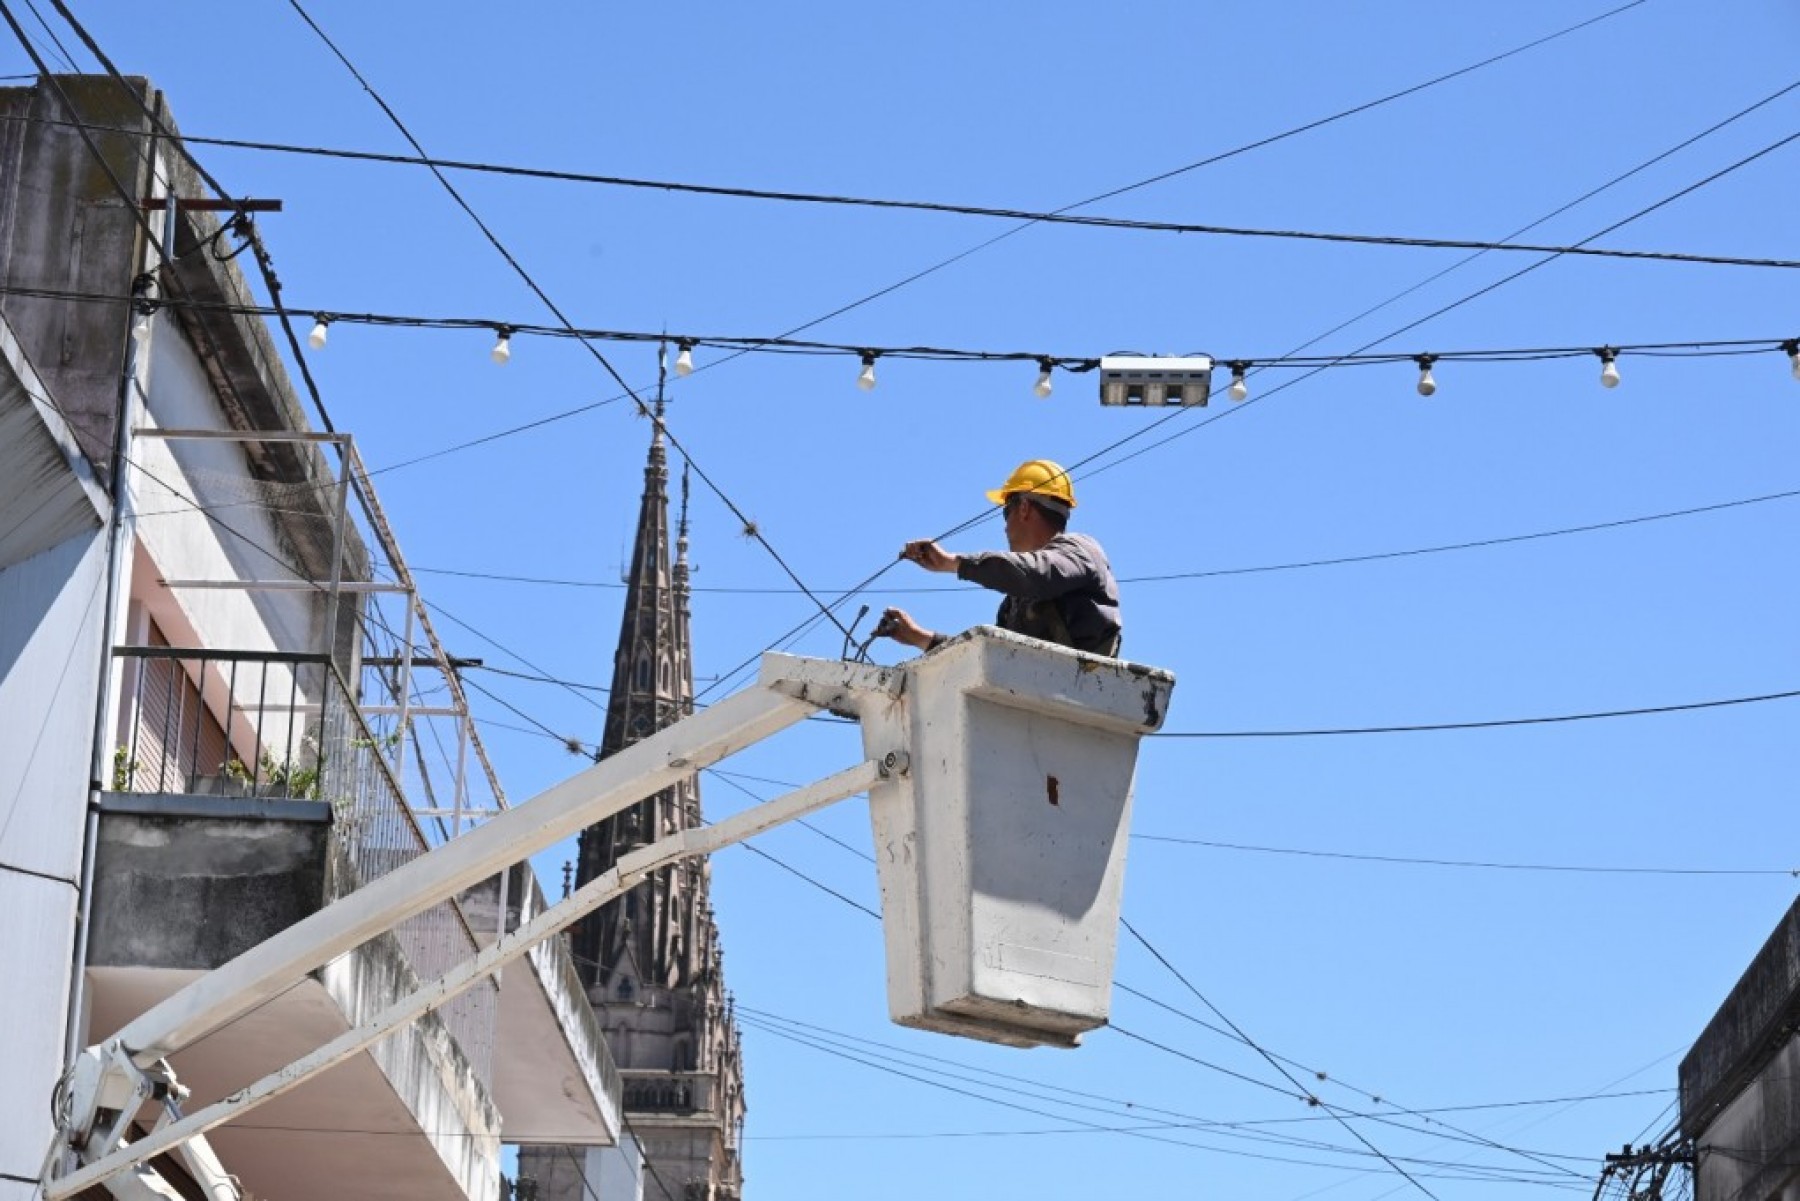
(1427, 385)
(684, 361)
(866, 380)
(1609, 367)
(1792, 346)
(1239, 390)
(1044, 385)
(140, 330)
(316, 339)
(502, 352)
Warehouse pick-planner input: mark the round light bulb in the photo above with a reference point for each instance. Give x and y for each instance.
(866, 380)
(1609, 374)
(1427, 385)
(684, 362)
(141, 329)
(1794, 358)
(502, 352)
(1044, 385)
(316, 339)
(1239, 390)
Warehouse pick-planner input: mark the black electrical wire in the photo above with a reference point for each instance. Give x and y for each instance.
(1411, 325)
(1472, 1172)
(1480, 725)
(1174, 1121)
(749, 527)
(1455, 1133)
(770, 344)
(1272, 1061)
(1210, 573)
(1577, 869)
(1193, 166)
(1556, 212)
(1060, 217)
(61, 49)
(944, 263)
(802, 628)
(539, 679)
(725, 779)
(1140, 1107)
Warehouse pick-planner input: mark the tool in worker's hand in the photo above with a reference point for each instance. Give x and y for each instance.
(850, 635)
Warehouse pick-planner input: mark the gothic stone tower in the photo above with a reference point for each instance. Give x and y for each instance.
(651, 960)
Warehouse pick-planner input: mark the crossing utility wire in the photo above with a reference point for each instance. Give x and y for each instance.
(1414, 861)
(1272, 1060)
(1208, 161)
(801, 629)
(1201, 574)
(750, 528)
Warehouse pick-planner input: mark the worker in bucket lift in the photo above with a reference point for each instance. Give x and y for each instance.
(1058, 585)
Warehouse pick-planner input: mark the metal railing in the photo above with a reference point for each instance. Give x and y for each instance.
(279, 724)
(649, 1091)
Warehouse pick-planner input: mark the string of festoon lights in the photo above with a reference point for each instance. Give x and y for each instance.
(1047, 365)
(1238, 390)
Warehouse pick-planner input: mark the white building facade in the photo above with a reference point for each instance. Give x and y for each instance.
(208, 704)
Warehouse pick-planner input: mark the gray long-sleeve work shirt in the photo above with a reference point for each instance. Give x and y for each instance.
(1062, 593)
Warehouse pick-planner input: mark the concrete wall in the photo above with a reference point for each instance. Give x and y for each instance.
(424, 1065)
(588, 1173)
(1751, 1151)
(63, 227)
(50, 639)
(188, 883)
(238, 539)
(182, 883)
(1740, 1083)
(1752, 1025)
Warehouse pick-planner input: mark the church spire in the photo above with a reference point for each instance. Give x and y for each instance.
(651, 959)
(640, 936)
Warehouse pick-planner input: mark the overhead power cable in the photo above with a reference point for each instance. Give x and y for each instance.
(1270, 1059)
(750, 528)
(1166, 577)
(1198, 164)
(1162, 1132)
(1578, 869)
(1411, 325)
(1210, 160)
(1059, 217)
(61, 50)
(1479, 725)
(1169, 1121)
(806, 625)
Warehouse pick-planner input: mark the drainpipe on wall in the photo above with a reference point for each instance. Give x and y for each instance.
(133, 384)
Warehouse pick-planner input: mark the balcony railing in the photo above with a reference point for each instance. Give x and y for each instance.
(275, 724)
(668, 1092)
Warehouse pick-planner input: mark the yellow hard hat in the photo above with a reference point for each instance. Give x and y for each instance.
(1040, 477)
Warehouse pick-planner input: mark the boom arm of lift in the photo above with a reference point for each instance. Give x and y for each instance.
(110, 1083)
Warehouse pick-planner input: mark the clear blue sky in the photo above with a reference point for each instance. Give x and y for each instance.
(1432, 986)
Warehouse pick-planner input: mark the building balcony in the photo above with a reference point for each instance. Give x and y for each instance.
(248, 791)
(676, 1094)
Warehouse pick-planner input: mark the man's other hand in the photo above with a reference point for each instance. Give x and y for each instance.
(896, 624)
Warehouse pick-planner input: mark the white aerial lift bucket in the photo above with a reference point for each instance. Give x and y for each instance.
(1001, 850)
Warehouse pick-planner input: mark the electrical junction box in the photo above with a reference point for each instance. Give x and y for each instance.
(1141, 380)
(1001, 851)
